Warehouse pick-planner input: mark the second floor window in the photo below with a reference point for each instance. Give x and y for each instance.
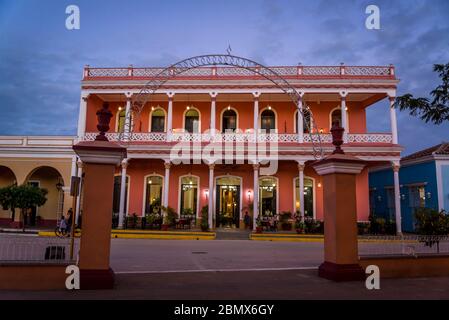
(158, 121)
(192, 121)
(268, 120)
(229, 120)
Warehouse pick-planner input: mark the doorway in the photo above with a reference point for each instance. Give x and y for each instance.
(227, 208)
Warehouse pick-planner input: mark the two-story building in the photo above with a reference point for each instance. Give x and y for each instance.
(223, 105)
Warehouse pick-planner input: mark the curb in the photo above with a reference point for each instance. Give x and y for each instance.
(141, 234)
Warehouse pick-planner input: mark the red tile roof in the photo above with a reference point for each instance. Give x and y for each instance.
(442, 148)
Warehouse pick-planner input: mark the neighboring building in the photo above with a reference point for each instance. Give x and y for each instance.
(424, 182)
(227, 103)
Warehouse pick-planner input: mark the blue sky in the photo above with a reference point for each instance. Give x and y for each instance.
(41, 61)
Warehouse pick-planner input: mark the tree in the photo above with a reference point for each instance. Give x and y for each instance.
(22, 197)
(435, 111)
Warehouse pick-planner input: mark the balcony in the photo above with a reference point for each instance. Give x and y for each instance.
(161, 137)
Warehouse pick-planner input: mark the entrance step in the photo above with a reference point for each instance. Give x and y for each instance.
(232, 234)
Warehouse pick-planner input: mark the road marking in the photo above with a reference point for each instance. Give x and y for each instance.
(215, 270)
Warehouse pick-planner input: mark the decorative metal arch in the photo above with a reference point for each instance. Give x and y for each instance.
(153, 85)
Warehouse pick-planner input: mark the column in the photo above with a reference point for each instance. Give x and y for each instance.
(393, 121)
(170, 115)
(397, 198)
(211, 195)
(301, 167)
(80, 187)
(122, 209)
(256, 115)
(73, 170)
(213, 96)
(128, 124)
(300, 126)
(344, 116)
(82, 115)
(167, 166)
(256, 195)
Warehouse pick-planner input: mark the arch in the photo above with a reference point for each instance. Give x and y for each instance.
(241, 192)
(338, 108)
(145, 186)
(188, 109)
(152, 86)
(150, 123)
(197, 196)
(268, 108)
(237, 117)
(7, 176)
(52, 180)
(277, 192)
(314, 193)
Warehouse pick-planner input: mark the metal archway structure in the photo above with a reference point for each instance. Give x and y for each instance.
(152, 86)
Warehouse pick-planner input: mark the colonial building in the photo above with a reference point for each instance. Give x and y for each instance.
(227, 105)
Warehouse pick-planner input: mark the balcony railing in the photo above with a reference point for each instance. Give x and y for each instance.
(385, 138)
(234, 72)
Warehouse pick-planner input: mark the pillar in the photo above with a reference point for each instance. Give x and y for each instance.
(213, 96)
(393, 121)
(100, 159)
(170, 115)
(301, 167)
(397, 198)
(256, 195)
(256, 115)
(128, 120)
(300, 121)
(82, 116)
(167, 166)
(122, 209)
(211, 197)
(344, 116)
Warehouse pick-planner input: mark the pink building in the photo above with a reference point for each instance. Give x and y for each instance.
(228, 103)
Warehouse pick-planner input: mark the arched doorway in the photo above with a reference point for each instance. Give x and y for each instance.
(228, 201)
(50, 179)
(7, 178)
(268, 196)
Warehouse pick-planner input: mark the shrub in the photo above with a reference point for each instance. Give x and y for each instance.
(204, 218)
(431, 222)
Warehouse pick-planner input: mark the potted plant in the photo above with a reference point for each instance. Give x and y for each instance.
(169, 218)
(204, 219)
(259, 228)
(299, 225)
(285, 217)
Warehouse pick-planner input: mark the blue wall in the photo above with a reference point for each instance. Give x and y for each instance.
(417, 173)
(445, 176)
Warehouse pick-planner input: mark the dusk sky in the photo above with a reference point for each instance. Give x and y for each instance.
(41, 61)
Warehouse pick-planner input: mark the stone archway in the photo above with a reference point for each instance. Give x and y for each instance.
(7, 178)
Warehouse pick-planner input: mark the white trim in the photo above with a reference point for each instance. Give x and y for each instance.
(241, 192)
(158, 107)
(330, 117)
(337, 167)
(237, 118)
(127, 191)
(145, 189)
(198, 200)
(275, 117)
(184, 118)
(277, 193)
(314, 194)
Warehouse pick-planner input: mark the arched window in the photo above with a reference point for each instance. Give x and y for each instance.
(121, 119)
(268, 120)
(192, 121)
(189, 195)
(229, 122)
(153, 194)
(306, 128)
(268, 196)
(336, 116)
(308, 197)
(157, 120)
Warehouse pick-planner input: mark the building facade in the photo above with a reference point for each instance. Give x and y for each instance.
(424, 183)
(230, 107)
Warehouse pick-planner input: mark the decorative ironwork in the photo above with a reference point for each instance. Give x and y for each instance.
(152, 86)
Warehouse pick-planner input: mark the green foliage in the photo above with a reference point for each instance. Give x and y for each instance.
(9, 199)
(435, 111)
(204, 218)
(379, 225)
(170, 215)
(431, 222)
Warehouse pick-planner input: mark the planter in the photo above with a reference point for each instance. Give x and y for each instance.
(164, 227)
(259, 229)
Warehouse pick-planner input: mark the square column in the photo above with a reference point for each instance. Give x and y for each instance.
(344, 116)
(393, 121)
(211, 196)
(167, 166)
(397, 198)
(300, 121)
(213, 99)
(256, 195)
(128, 120)
(170, 115)
(256, 115)
(122, 210)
